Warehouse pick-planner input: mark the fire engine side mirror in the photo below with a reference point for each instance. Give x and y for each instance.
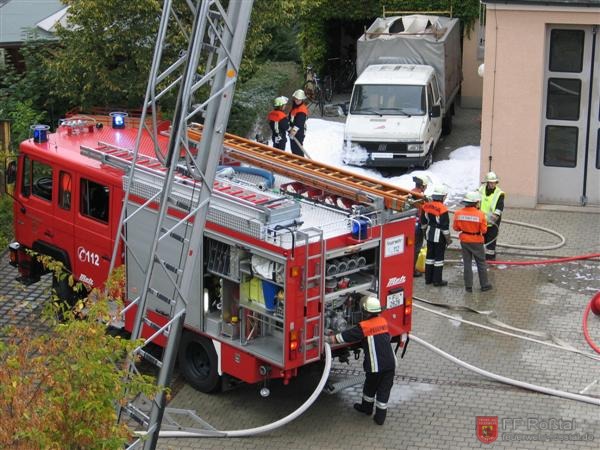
(10, 174)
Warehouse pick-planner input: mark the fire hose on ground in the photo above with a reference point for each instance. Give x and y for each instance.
(506, 380)
(269, 427)
(594, 306)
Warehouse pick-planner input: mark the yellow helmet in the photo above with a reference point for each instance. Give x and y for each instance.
(280, 101)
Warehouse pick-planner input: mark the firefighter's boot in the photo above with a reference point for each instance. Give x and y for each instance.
(364, 407)
(379, 416)
(437, 277)
(428, 273)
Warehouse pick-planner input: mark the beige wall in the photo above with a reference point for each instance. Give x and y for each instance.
(513, 94)
(472, 84)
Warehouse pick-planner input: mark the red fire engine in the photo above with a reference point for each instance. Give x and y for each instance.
(290, 245)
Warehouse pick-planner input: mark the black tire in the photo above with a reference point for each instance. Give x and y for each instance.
(328, 88)
(320, 101)
(198, 362)
(428, 160)
(66, 297)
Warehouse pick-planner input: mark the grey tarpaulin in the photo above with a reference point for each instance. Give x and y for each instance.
(415, 39)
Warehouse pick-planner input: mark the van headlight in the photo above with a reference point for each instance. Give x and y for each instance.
(414, 147)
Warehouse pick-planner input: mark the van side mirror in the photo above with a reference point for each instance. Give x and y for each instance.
(10, 174)
(436, 111)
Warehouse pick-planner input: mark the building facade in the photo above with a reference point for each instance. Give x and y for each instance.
(541, 101)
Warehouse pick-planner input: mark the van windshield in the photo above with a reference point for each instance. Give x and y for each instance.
(388, 100)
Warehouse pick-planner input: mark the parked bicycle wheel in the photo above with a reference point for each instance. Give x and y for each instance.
(328, 88)
(310, 89)
(319, 100)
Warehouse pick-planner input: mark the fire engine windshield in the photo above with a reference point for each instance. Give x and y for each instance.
(388, 100)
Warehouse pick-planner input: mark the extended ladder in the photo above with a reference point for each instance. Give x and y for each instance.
(212, 60)
(316, 174)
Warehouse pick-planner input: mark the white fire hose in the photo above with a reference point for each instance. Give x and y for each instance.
(262, 429)
(506, 380)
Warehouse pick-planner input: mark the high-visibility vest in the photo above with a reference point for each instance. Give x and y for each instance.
(489, 202)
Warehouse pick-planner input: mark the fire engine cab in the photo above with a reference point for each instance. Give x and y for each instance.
(289, 248)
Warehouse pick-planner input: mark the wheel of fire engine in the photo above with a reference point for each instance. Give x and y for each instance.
(198, 362)
(447, 124)
(65, 294)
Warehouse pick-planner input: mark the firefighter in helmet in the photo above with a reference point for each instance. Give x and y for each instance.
(279, 123)
(421, 182)
(298, 117)
(379, 362)
(472, 225)
(435, 222)
(492, 205)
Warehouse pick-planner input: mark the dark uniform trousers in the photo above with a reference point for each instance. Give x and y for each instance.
(379, 364)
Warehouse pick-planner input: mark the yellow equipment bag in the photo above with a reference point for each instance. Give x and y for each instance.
(420, 266)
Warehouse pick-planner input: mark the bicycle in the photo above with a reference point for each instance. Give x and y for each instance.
(315, 94)
(343, 74)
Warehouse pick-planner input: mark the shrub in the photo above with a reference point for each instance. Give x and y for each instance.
(253, 99)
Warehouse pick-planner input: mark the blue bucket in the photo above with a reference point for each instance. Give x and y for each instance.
(270, 291)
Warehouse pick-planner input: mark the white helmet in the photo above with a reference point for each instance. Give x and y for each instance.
(371, 304)
(422, 179)
(440, 191)
(299, 94)
(280, 101)
(491, 177)
(471, 197)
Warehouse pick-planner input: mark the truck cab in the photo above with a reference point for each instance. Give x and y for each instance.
(395, 117)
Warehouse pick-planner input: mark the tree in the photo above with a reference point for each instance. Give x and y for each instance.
(103, 57)
(59, 389)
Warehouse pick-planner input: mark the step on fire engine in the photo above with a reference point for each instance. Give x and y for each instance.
(243, 287)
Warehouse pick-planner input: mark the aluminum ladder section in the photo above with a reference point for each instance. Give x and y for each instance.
(211, 61)
(314, 173)
(317, 259)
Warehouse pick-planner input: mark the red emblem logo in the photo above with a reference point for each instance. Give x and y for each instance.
(487, 429)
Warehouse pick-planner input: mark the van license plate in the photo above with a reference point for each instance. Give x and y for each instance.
(382, 155)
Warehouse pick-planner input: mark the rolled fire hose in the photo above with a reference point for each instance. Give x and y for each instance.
(262, 429)
(503, 379)
(561, 238)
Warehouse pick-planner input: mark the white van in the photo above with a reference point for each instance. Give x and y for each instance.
(394, 118)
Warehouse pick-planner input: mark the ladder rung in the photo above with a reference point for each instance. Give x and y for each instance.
(175, 236)
(313, 319)
(148, 357)
(162, 297)
(136, 414)
(168, 266)
(155, 326)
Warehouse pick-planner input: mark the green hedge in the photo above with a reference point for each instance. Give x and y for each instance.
(253, 99)
(314, 15)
